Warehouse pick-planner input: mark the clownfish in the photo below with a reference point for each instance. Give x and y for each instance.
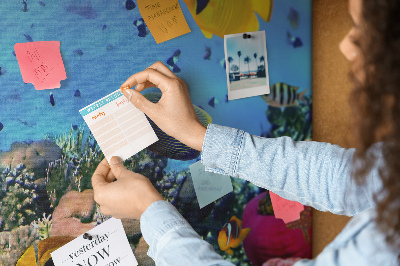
(231, 235)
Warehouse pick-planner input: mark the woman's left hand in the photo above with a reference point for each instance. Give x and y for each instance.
(127, 197)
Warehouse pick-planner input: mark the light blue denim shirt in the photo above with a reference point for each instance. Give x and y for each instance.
(312, 173)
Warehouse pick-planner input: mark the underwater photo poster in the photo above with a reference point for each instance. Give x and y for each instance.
(48, 152)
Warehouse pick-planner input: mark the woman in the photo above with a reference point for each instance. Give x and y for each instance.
(360, 182)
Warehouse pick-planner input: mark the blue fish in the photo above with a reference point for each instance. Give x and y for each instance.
(78, 52)
(109, 47)
(32, 25)
(294, 41)
(52, 99)
(25, 9)
(177, 53)
(82, 8)
(212, 102)
(129, 5)
(168, 146)
(176, 69)
(28, 38)
(207, 53)
(2, 71)
(75, 127)
(170, 61)
(104, 27)
(293, 18)
(13, 53)
(141, 26)
(226, 98)
(77, 93)
(41, 3)
(1, 126)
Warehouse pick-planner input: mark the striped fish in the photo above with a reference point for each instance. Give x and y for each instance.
(284, 95)
(168, 146)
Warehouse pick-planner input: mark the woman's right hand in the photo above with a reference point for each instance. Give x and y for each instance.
(174, 112)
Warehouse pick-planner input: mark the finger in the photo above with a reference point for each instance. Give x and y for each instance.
(143, 86)
(160, 67)
(159, 80)
(110, 177)
(140, 102)
(99, 176)
(117, 167)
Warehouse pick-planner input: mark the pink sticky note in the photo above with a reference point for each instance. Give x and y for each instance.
(287, 210)
(41, 64)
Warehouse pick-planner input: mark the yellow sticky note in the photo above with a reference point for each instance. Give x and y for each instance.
(164, 18)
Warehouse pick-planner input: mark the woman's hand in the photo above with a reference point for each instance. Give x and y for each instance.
(127, 197)
(174, 113)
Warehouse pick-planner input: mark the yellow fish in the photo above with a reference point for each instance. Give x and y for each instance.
(222, 17)
(231, 235)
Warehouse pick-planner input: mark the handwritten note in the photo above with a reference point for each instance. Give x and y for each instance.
(164, 18)
(209, 186)
(287, 210)
(118, 126)
(41, 64)
(109, 246)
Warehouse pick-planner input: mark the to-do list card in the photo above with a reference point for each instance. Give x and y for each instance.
(118, 126)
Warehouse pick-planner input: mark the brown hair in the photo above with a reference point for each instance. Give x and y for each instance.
(375, 101)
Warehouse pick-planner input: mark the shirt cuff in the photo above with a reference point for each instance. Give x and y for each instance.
(159, 218)
(222, 147)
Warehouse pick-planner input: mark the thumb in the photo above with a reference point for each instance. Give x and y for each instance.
(117, 168)
(138, 100)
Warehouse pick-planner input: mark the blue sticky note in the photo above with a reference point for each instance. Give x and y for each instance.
(209, 186)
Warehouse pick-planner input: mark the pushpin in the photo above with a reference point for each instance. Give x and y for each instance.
(87, 236)
(246, 36)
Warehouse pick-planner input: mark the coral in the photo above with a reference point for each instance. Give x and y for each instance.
(20, 203)
(34, 155)
(294, 121)
(13, 243)
(72, 219)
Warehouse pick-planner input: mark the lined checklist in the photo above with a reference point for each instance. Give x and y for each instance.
(118, 126)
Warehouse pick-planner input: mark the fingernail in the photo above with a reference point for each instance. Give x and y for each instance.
(115, 160)
(129, 93)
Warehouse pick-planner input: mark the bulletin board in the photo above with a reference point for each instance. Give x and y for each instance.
(47, 154)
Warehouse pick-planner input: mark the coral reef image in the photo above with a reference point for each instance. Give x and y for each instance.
(48, 154)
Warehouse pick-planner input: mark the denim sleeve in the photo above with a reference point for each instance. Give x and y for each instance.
(172, 240)
(313, 173)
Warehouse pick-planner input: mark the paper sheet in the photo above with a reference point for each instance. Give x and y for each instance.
(164, 18)
(41, 64)
(209, 186)
(287, 210)
(109, 246)
(118, 126)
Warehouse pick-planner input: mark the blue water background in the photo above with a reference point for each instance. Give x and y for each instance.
(28, 115)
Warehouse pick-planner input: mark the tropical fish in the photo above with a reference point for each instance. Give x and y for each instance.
(109, 47)
(78, 52)
(75, 127)
(28, 38)
(41, 3)
(168, 146)
(222, 63)
(231, 235)
(82, 8)
(13, 53)
(104, 27)
(212, 16)
(129, 5)
(295, 41)
(176, 69)
(207, 53)
(212, 102)
(226, 98)
(77, 93)
(25, 9)
(283, 95)
(293, 18)
(141, 26)
(52, 99)
(177, 53)
(1, 126)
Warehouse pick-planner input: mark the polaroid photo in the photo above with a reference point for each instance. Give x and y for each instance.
(246, 64)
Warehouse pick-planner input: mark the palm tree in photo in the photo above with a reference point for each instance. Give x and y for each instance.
(262, 59)
(230, 59)
(247, 60)
(239, 54)
(255, 60)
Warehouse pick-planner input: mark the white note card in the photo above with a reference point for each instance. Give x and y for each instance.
(209, 186)
(109, 247)
(118, 126)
